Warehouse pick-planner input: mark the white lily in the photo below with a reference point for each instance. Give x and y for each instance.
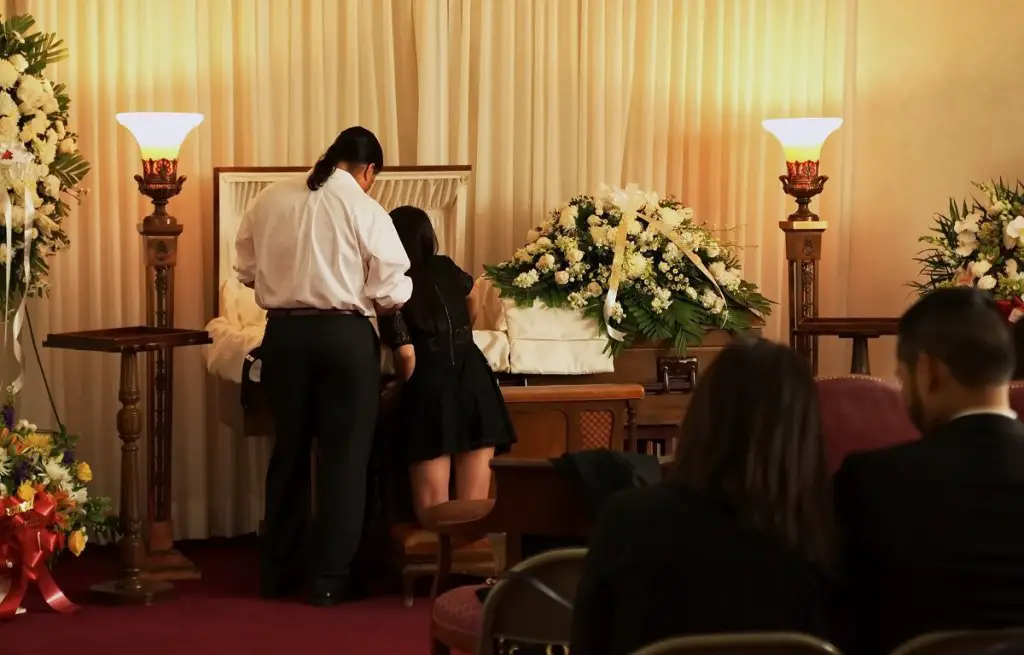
(1013, 231)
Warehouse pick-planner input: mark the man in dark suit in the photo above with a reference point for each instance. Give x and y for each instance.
(936, 527)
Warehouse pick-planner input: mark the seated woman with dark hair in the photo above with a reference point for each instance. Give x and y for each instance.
(739, 538)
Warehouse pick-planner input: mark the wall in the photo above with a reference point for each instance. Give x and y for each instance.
(938, 102)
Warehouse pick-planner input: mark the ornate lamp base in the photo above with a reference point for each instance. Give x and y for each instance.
(802, 182)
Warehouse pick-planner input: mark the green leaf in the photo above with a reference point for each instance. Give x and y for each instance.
(70, 168)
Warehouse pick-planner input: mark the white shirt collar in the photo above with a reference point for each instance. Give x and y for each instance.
(343, 178)
(998, 411)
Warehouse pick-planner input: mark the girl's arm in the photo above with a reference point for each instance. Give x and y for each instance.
(405, 361)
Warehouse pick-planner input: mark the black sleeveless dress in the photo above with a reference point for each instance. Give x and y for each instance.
(452, 403)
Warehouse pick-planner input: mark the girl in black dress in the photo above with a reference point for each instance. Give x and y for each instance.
(450, 406)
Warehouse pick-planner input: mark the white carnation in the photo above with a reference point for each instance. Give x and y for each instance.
(19, 62)
(30, 90)
(8, 128)
(51, 184)
(670, 217)
(980, 267)
(986, 283)
(527, 279)
(55, 471)
(8, 74)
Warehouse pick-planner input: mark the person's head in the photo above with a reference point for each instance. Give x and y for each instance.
(357, 151)
(752, 437)
(416, 233)
(954, 353)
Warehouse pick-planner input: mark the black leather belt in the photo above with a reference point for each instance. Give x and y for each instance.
(311, 311)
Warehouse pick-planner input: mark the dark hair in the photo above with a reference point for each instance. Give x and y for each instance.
(416, 233)
(963, 328)
(425, 309)
(752, 438)
(356, 146)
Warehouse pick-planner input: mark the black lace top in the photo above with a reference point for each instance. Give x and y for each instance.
(436, 318)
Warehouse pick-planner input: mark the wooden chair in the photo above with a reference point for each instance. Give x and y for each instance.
(533, 498)
(769, 643)
(861, 413)
(518, 612)
(980, 642)
(549, 421)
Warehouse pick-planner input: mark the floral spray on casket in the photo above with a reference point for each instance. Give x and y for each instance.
(637, 264)
(979, 244)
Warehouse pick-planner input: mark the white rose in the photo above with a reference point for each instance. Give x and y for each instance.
(50, 105)
(543, 243)
(567, 218)
(51, 184)
(980, 267)
(574, 256)
(546, 262)
(594, 289)
(67, 146)
(8, 74)
(986, 283)
(562, 278)
(670, 217)
(531, 236)
(19, 63)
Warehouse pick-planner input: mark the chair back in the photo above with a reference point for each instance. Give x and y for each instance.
(979, 642)
(861, 413)
(521, 612)
(1017, 397)
(752, 643)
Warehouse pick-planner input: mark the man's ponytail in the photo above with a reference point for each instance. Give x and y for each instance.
(322, 169)
(356, 146)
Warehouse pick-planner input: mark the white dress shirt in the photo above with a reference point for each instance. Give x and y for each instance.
(333, 248)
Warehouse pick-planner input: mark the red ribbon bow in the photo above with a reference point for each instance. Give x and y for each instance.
(27, 541)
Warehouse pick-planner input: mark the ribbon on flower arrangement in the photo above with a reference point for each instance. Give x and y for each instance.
(16, 166)
(630, 201)
(27, 541)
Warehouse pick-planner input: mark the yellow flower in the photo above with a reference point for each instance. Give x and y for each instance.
(26, 492)
(77, 541)
(84, 472)
(38, 442)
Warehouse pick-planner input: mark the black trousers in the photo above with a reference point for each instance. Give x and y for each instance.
(321, 373)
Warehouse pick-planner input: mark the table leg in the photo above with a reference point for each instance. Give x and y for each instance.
(860, 363)
(130, 588)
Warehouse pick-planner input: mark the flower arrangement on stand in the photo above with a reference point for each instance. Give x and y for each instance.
(637, 264)
(980, 244)
(45, 507)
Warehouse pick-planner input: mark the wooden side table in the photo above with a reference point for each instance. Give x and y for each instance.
(130, 587)
(860, 330)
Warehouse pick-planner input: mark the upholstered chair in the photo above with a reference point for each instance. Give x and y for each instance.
(861, 413)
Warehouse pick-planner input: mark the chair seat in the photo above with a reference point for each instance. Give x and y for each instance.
(412, 539)
(459, 612)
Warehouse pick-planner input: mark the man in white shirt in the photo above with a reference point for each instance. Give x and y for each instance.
(322, 257)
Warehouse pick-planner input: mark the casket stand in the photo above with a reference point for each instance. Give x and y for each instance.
(527, 348)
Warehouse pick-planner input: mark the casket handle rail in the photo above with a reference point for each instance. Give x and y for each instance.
(674, 375)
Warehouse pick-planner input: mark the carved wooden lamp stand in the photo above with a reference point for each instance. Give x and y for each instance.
(160, 135)
(802, 139)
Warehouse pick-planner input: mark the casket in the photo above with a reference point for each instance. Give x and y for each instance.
(560, 346)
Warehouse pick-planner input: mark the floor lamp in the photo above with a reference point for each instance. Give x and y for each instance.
(160, 135)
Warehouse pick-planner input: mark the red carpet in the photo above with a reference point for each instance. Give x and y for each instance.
(220, 615)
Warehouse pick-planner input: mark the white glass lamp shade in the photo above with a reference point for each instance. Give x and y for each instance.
(160, 134)
(802, 138)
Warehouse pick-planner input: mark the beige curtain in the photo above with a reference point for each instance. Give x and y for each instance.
(545, 98)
